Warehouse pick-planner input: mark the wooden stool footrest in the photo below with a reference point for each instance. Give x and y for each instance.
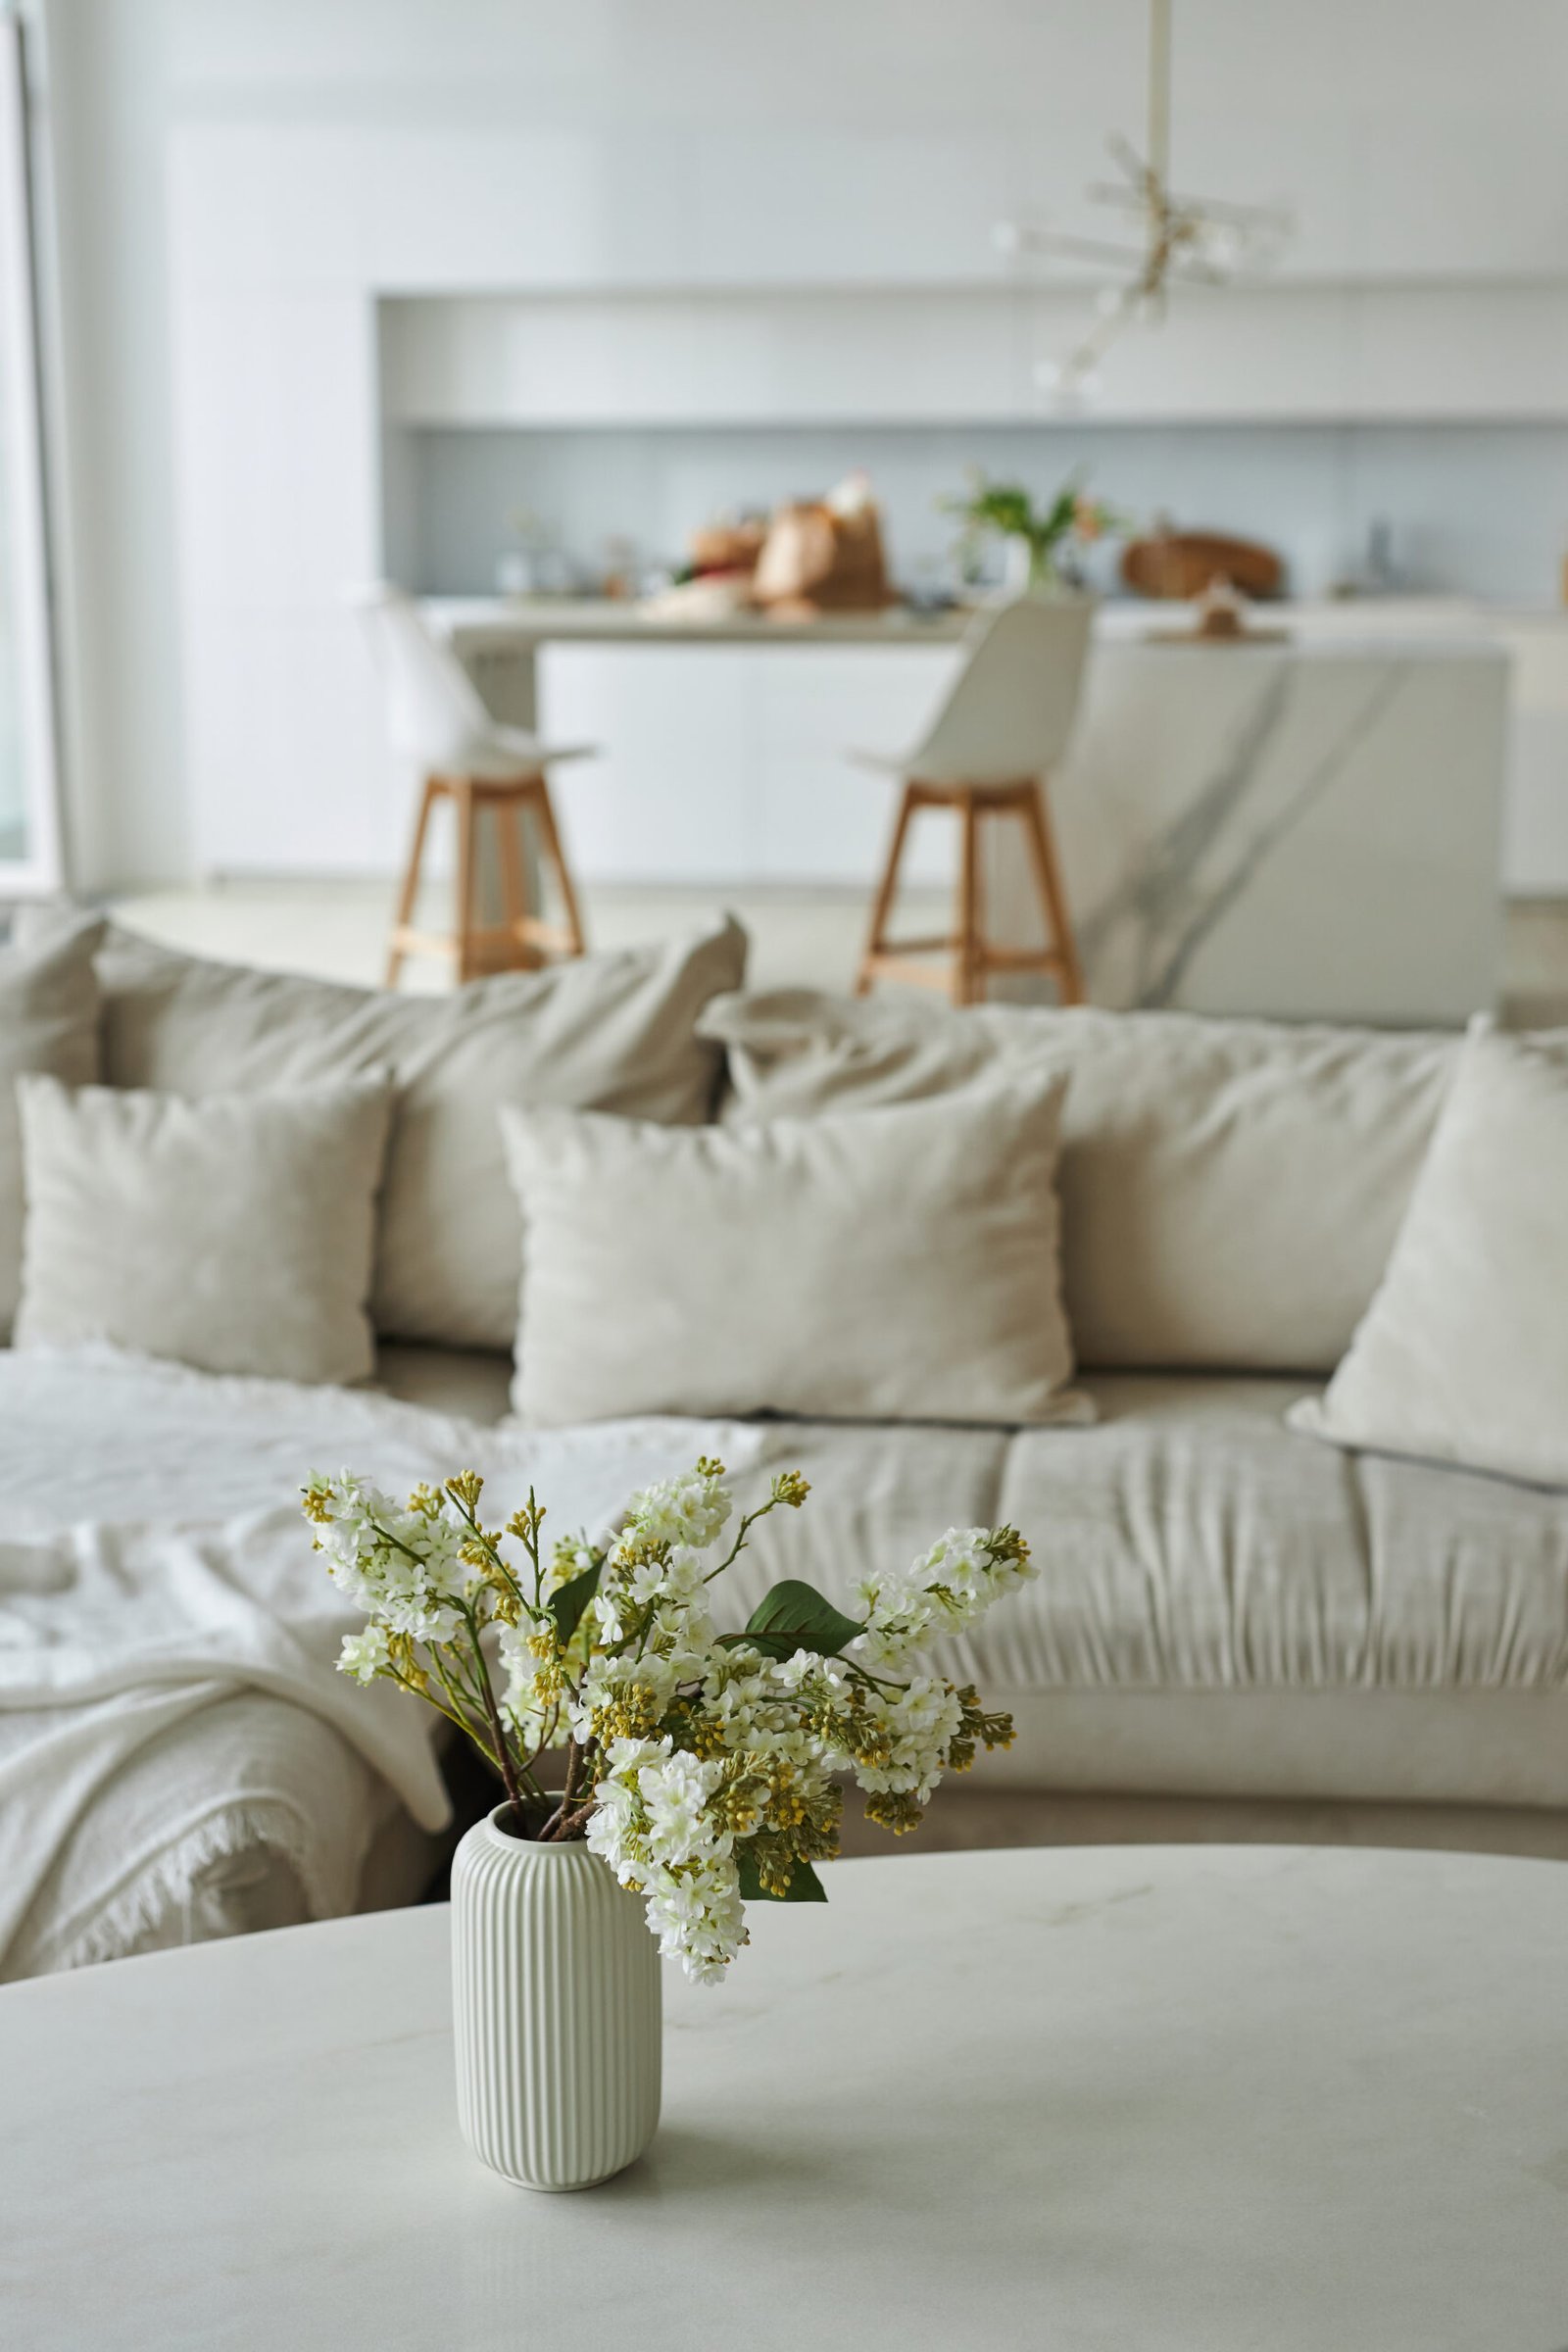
(524, 939)
(974, 957)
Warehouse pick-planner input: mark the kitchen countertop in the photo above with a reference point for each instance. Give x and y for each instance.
(1425, 627)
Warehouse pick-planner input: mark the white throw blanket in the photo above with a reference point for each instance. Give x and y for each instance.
(110, 1635)
(151, 1562)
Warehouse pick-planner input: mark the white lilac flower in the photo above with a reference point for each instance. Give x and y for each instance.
(363, 1654)
(675, 1790)
(689, 1509)
(943, 1591)
(618, 1826)
(619, 1698)
(532, 1700)
(698, 1916)
(659, 1601)
(400, 1566)
(612, 1613)
(919, 1724)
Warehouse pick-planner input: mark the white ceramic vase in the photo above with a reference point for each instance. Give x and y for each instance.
(1017, 564)
(557, 2008)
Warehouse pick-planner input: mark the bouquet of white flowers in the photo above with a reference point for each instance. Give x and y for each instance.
(705, 1767)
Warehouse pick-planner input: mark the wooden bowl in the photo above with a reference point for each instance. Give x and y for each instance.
(1182, 563)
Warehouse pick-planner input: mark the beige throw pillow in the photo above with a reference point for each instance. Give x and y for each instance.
(234, 1234)
(613, 1032)
(1463, 1355)
(897, 1265)
(1230, 1189)
(48, 1024)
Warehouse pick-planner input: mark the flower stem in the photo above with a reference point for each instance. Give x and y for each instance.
(555, 1825)
(487, 1697)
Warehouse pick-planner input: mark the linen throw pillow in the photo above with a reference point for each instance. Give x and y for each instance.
(1463, 1354)
(611, 1032)
(48, 1024)
(235, 1233)
(1230, 1189)
(894, 1265)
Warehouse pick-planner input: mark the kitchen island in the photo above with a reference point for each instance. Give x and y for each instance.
(1308, 827)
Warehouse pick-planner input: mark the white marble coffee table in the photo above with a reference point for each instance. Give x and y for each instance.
(1200, 2099)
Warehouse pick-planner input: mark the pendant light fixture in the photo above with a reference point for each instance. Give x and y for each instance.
(1179, 240)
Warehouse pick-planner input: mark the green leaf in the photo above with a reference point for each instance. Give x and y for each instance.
(804, 1886)
(567, 1601)
(795, 1616)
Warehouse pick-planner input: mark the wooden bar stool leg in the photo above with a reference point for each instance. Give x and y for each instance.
(513, 878)
(887, 891)
(1041, 839)
(556, 858)
(408, 895)
(466, 909)
(966, 964)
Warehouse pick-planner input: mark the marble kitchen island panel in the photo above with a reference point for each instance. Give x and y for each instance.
(1301, 831)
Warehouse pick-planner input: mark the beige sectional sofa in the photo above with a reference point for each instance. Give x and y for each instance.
(1237, 1627)
(1229, 1611)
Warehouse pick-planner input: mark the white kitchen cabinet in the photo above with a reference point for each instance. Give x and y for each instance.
(672, 794)
(1277, 350)
(727, 763)
(824, 819)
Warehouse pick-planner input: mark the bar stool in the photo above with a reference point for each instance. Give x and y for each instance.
(986, 755)
(436, 720)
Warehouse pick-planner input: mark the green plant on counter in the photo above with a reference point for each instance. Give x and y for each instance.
(1006, 511)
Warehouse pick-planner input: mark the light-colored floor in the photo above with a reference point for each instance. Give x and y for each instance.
(807, 937)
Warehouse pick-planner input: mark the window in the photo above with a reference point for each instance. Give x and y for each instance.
(30, 824)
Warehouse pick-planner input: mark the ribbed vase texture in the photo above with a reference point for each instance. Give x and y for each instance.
(556, 1994)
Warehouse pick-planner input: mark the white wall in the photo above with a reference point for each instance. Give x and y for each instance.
(317, 153)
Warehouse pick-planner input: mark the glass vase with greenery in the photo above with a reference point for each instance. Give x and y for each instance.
(1052, 534)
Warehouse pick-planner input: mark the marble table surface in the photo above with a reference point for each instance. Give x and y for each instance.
(1138, 2098)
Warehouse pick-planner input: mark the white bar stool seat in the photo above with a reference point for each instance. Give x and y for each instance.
(437, 721)
(988, 753)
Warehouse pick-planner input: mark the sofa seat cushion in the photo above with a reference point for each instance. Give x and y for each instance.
(1201, 1544)
(1223, 1607)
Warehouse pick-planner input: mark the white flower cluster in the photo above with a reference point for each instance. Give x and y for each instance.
(918, 1725)
(652, 1825)
(944, 1592)
(532, 1697)
(692, 1509)
(651, 1595)
(401, 1567)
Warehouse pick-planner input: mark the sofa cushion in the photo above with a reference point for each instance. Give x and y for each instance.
(1222, 1608)
(1230, 1189)
(901, 1264)
(613, 1032)
(48, 1025)
(1463, 1355)
(235, 1233)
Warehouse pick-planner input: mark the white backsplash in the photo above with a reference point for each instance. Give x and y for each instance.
(1474, 508)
